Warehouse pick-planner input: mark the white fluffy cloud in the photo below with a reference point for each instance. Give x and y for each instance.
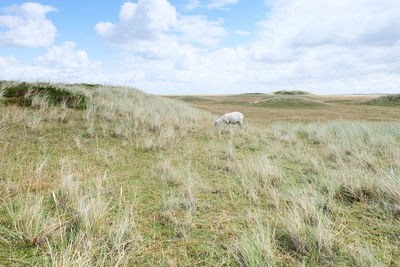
(153, 28)
(60, 64)
(218, 4)
(193, 4)
(242, 33)
(221, 3)
(348, 45)
(143, 28)
(66, 57)
(27, 26)
(145, 21)
(197, 29)
(7, 61)
(341, 22)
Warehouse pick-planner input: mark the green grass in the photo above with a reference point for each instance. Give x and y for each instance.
(284, 92)
(120, 184)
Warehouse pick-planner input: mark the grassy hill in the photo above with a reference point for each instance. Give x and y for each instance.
(288, 102)
(195, 99)
(284, 92)
(388, 100)
(134, 179)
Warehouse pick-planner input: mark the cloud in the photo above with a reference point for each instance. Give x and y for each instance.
(14, 70)
(197, 29)
(347, 45)
(193, 4)
(66, 57)
(343, 23)
(152, 25)
(28, 27)
(242, 33)
(151, 29)
(217, 4)
(60, 64)
(145, 21)
(7, 61)
(221, 4)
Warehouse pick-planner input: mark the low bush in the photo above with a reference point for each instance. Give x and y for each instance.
(22, 94)
(387, 100)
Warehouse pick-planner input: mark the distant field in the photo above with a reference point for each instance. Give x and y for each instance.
(266, 108)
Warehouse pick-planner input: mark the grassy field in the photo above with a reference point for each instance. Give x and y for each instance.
(134, 179)
(266, 108)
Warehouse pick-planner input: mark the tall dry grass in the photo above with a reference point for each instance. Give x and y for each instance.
(312, 179)
(129, 113)
(75, 224)
(179, 200)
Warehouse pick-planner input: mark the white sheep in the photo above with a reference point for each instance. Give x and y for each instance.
(230, 118)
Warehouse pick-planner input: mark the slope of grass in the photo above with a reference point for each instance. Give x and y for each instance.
(388, 100)
(288, 102)
(142, 180)
(194, 99)
(275, 101)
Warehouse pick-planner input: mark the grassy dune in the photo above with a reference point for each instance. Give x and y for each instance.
(291, 93)
(136, 179)
(389, 100)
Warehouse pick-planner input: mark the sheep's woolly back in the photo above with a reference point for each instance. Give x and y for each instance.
(230, 118)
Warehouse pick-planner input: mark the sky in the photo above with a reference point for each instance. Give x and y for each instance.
(205, 46)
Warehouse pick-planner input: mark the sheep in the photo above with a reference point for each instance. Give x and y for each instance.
(230, 118)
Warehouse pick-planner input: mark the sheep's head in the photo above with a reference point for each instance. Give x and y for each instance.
(216, 123)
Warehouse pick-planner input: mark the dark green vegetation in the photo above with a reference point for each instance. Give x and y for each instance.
(284, 92)
(147, 181)
(250, 94)
(388, 100)
(24, 94)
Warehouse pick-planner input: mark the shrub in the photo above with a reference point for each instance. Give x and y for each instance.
(284, 92)
(22, 94)
(387, 100)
